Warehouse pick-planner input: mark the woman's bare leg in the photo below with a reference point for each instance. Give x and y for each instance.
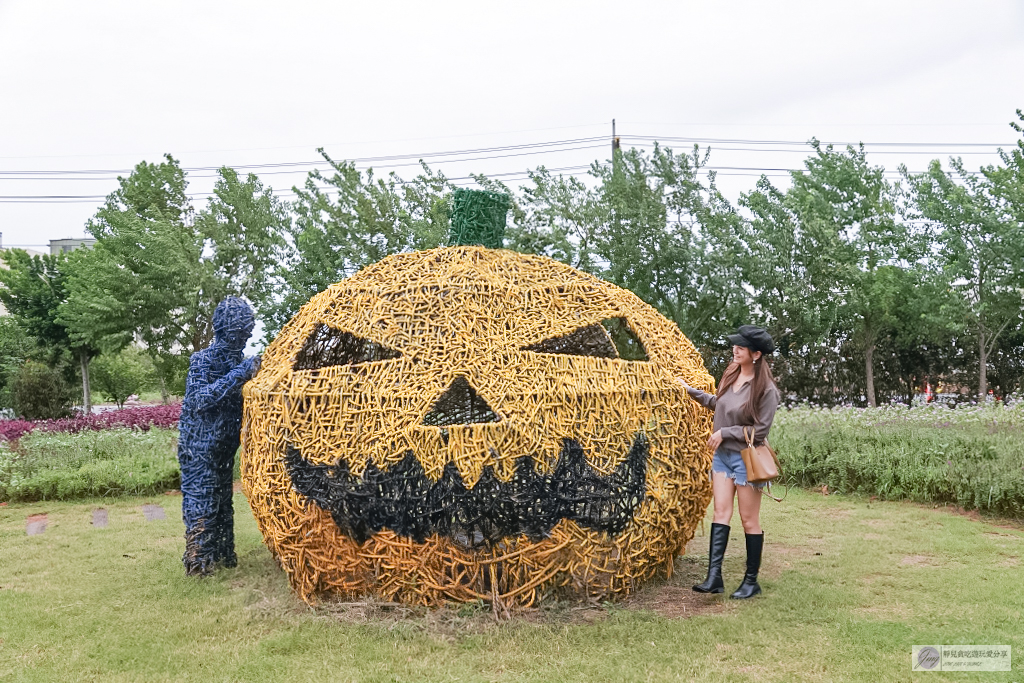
(749, 500)
(723, 489)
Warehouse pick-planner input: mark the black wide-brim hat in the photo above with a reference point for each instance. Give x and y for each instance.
(754, 338)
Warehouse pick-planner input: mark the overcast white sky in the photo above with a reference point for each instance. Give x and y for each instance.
(100, 86)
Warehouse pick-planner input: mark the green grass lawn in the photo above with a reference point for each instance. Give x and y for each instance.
(850, 587)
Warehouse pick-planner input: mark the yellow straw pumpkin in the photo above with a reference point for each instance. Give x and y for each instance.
(466, 423)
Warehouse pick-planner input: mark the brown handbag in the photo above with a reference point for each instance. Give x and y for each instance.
(761, 461)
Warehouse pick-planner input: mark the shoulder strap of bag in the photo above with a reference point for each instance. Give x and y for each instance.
(749, 436)
(767, 491)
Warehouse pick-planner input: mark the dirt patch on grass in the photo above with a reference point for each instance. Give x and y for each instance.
(887, 611)
(877, 523)
(676, 601)
(1009, 562)
(876, 577)
(36, 524)
(811, 546)
(833, 513)
(673, 599)
(976, 516)
(918, 561)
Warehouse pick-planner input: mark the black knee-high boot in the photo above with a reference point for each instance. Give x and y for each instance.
(719, 539)
(749, 588)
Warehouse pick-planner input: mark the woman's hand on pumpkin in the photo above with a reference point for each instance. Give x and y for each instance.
(715, 440)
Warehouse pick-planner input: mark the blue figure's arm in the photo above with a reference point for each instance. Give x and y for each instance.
(204, 396)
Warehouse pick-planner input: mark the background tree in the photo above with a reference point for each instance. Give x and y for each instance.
(794, 294)
(40, 392)
(242, 228)
(122, 375)
(16, 347)
(141, 276)
(346, 221)
(560, 218)
(980, 251)
(33, 288)
(847, 212)
(158, 271)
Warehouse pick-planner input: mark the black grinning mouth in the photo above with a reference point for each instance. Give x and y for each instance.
(408, 503)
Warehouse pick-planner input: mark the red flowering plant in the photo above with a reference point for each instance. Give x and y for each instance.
(141, 418)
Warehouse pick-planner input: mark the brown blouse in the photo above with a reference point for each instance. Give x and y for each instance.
(729, 414)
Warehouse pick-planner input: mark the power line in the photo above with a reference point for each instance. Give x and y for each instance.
(79, 199)
(334, 144)
(751, 171)
(486, 154)
(823, 142)
(302, 166)
(547, 147)
(530, 148)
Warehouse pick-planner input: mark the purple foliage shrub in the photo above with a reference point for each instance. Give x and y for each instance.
(141, 418)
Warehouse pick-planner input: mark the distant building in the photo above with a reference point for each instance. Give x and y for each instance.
(70, 244)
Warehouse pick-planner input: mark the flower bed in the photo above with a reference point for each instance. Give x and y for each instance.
(141, 418)
(970, 456)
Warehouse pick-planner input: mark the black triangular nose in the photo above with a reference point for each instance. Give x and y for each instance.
(459, 405)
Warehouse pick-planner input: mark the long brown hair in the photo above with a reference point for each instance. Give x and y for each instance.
(763, 379)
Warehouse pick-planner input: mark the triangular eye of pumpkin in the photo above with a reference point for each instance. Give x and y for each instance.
(327, 346)
(610, 338)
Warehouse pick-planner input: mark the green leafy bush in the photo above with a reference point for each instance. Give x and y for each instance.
(118, 376)
(40, 393)
(970, 456)
(172, 369)
(61, 466)
(15, 347)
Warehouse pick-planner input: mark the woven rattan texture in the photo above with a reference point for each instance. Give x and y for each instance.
(211, 416)
(478, 217)
(469, 434)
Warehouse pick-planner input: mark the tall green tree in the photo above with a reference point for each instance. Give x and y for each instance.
(346, 219)
(795, 291)
(33, 288)
(980, 249)
(848, 218)
(672, 238)
(16, 347)
(560, 217)
(158, 270)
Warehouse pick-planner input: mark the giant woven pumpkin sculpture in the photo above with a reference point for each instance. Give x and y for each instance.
(467, 423)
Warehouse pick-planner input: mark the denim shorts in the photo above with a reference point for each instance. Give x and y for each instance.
(731, 463)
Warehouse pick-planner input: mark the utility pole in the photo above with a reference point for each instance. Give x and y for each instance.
(615, 147)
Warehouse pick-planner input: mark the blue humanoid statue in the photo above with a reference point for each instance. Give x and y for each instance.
(210, 426)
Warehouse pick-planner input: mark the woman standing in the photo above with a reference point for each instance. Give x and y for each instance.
(747, 397)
